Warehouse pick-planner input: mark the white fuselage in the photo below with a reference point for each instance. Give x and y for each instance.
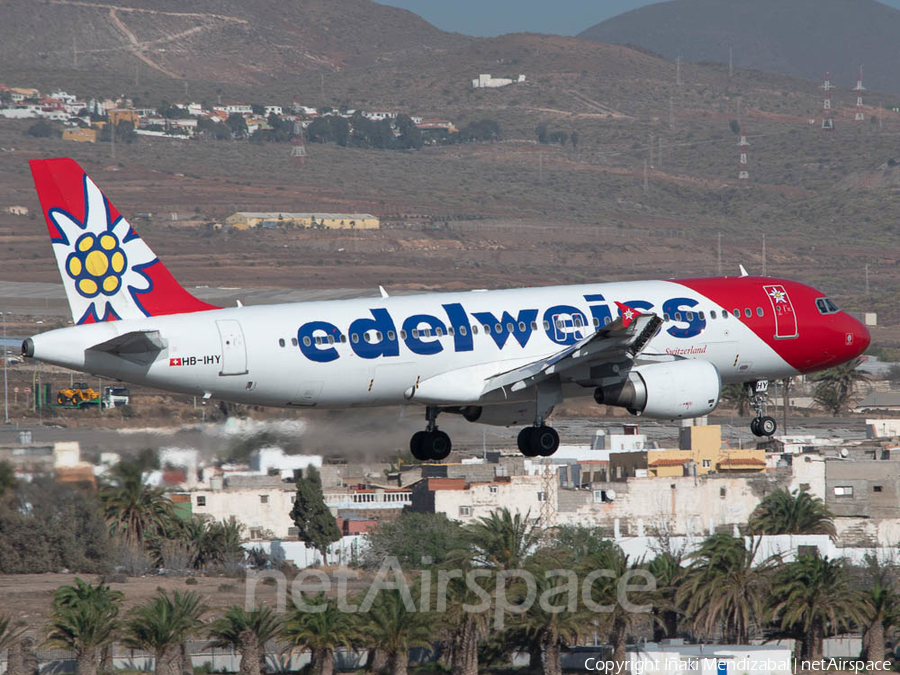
(375, 351)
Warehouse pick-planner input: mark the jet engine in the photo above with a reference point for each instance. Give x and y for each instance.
(666, 390)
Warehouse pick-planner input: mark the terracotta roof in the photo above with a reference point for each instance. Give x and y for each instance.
(742, 461)
(594, 461)
(670, 462)
(446, 483)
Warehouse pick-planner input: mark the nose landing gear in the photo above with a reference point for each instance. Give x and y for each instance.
(761, 425)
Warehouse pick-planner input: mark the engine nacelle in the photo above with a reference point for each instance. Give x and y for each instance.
(666, 390)
(503, 415)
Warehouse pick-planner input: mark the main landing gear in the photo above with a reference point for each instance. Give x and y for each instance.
(538, 441)
(432, 444)
(761, 425)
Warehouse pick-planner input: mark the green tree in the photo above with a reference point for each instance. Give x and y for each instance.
(162, 624)
(667, 570)
(783, 512)
(501, 540)
(813, 597)
(604, 591)
(238, 125)
(317, 625)
(836, 386)
(9, 633)
(413, 537)
(315, 524)
(84, 620)
(880, 615)
(43, 129)
(395, 628)
(133, 510)
(551, 621)
(723, 588)
(246, 632)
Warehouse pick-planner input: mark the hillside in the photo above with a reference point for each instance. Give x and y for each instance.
(802, 38)
(215, 40)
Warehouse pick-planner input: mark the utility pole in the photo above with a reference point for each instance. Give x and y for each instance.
(719, 253)
(5, 383)
(659, 154)
(730, 62)
(650, 150)
(646, 184)
(671, 112)
(322, 86)
(75, 52)
(540, 166)
(867, 278)
(678, 71)
(764, 254)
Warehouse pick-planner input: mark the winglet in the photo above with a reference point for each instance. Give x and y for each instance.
(627, 313)
(743, 271)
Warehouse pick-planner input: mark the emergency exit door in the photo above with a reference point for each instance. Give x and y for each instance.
(234, 350)
(785, 318)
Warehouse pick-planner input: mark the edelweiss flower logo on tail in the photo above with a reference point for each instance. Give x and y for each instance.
(101, 259)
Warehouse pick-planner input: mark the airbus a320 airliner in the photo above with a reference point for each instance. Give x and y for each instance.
(660, 349)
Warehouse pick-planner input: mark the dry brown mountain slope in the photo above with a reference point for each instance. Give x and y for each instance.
(223, 41)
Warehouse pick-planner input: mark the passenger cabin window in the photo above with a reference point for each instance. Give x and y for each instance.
(759, 311)
(712, 314)
(747, 312)
(281, 342)
(737, 313)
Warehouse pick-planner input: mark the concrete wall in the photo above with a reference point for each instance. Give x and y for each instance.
(265, 509)
(875, 488)
(679, 505)
(519, 495)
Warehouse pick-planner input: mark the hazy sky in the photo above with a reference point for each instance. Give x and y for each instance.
(494, 17)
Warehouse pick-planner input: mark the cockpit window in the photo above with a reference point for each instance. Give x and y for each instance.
(826, 306)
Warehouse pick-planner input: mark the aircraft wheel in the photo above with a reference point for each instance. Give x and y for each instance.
(430, 446)
(754, 426)
(417, 446)
(545, 440)
(767, 426)
(526, 447)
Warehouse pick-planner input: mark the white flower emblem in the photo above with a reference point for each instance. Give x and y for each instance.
(102, 261)
(778, 295)
(629, 315)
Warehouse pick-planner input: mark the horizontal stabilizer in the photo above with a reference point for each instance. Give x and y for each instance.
(139, 346)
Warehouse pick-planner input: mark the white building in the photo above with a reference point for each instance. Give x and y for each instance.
(21, 113)
(239, 108)
(465, 502)
(268, 460)
(274, 110)
(378, 115)
(485, 81)
(768, 659)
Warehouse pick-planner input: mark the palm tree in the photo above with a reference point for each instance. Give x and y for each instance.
(880, 614)
(134, 510)
(84, 620)
(394, 628)
(321, 627)
(604, 591)
(555, 623)
(722, 587)
(162, 624)
(783, 512)
(666, 569)
(813, 597)
(501, 540)
(836, 385)
(247, 632)
(8, 633)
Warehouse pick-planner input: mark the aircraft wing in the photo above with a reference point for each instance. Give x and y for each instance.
(624, 337)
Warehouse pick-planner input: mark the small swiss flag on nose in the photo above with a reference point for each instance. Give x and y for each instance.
(175, 362)
(627, 313)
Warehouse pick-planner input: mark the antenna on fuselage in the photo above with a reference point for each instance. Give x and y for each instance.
(384, 293)
(743, 271)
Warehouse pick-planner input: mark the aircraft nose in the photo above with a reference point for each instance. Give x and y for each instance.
(856, 338)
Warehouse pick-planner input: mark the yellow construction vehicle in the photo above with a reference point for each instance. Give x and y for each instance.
(77, 395)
